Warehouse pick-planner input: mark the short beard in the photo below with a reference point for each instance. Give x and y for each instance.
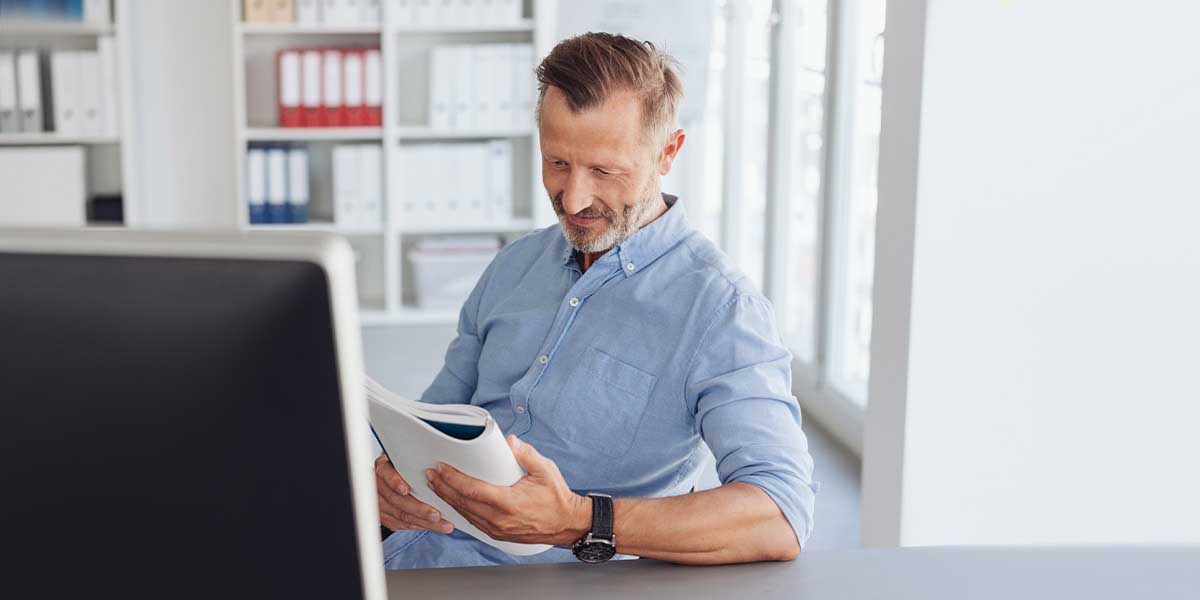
(620, 227)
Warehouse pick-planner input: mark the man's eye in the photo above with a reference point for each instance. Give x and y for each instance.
(558, 163)
(601, 171)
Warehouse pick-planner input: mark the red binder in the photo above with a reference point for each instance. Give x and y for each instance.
(373, 87)
(288, 88)
(332, 96)
(310, 97)
(353, 109)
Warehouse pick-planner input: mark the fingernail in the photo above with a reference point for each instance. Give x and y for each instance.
(429, 475)
(446, 527)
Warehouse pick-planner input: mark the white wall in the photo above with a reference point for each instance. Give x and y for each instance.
(1042, 388)
(180, 88)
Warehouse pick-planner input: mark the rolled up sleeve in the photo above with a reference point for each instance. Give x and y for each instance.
(739, 389)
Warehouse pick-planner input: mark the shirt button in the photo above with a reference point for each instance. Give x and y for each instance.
(629, 267)
(520, 409)
(543, 359)
(574, 302)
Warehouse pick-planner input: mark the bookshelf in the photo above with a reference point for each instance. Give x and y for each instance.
(386, 293)
(108, 158)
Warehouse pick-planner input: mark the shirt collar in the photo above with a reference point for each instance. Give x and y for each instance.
(647, 243)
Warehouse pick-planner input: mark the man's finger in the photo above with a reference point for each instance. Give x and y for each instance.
(469, 487)
(467, 507)
(385, 471)
(529, 458)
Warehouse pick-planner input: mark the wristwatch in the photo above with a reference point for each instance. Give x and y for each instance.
(599, 544)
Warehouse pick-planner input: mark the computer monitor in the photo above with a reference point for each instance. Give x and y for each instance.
(182, 415)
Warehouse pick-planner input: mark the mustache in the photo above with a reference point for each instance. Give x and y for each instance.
(589, 212)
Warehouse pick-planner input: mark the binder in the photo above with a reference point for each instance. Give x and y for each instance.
(311, 111)
(308, 12)
(277, 194)
(109, 77)
(352, 78)
(373, 88)
(505, 12)
(96, 12)
(523, 106)
(341, 12)
(370, 12)
(482, 98)
(283, 11)
(465, 116)
(298, 185)
(370, 163)
(425, 13)
(331, 98)
(90, 115)
(473, 184)
(443, 13)
(500, 181)
(446, 186)
(346, 179)
(440, 89)
(64, 92)
(29, 91)
(287, 72)
(257, 11)
(8, 93)
(256, 184)
(400, 12)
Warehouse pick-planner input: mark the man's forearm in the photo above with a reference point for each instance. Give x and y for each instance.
(734, 523)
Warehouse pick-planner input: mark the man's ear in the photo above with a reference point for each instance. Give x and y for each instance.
(667, 156)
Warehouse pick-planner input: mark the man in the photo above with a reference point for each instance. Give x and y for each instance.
(610, 349)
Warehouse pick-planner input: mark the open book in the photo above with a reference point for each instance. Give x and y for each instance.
(417, 435)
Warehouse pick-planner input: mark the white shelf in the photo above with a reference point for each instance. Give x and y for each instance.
(500, 227)
(294, 29)
(312, 134)
(320, 226)
(50, 138)
(408, 316)
(61, 28)
(522, 25)
(426, 133)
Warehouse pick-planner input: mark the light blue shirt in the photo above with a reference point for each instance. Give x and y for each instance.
(620, 373)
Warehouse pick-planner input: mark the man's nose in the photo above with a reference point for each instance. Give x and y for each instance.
(577, 195)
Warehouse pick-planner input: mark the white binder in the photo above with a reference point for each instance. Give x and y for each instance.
(482, 62)
(29, 91)
(500, 181)
(96, 12)
(526, 86)
(65, 92)
(289, 81)
(308, 12)
(440, 88)
(9, 123)
(370, 164)
(91, 114)
(465, 116)
(346, 185)
(370, 12)
(110, 98)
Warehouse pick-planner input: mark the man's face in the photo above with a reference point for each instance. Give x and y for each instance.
(599, 169)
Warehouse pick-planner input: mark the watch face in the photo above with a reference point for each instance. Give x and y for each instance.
(595, 552)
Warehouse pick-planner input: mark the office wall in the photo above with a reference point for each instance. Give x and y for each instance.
(181, 91)
(1038, 276)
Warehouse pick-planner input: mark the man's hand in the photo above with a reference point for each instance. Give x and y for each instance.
(538, 509)
(398, 508)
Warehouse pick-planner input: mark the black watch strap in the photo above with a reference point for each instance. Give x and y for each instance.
(602, 516)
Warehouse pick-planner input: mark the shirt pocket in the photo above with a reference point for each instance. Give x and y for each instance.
(601, 405)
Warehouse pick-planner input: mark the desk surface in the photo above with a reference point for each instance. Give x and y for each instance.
(895, 574)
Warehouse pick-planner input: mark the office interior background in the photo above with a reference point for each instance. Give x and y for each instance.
(977, 220)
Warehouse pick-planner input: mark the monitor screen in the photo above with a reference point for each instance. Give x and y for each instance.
(171, 427)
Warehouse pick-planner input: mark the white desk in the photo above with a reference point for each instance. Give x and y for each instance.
(925, 573)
